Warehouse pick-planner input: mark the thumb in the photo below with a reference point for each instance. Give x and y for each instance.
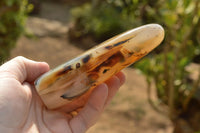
(24, 69)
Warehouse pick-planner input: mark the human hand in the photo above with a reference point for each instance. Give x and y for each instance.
(22, 111)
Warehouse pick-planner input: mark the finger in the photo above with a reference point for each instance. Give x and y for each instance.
(92, 110)
(121, 77)
(24, 69)
(114, 84)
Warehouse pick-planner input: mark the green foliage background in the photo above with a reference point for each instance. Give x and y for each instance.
(166, 66)
(12, 20)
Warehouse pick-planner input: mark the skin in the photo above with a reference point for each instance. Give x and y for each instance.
(22, 110)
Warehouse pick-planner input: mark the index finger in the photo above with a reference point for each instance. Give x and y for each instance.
(23, 69)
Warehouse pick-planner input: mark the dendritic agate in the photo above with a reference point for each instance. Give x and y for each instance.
(76, 77)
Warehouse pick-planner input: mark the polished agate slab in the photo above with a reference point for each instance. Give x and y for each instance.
(75, 78)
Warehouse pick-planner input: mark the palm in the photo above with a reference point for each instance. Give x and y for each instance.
(22, 110)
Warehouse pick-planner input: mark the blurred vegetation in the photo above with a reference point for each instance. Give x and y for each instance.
(101, 19)
(166, 67)
(12, 20)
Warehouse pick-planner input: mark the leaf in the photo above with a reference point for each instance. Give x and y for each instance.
(9, 2)
(172, 4)
(186, 3)
(170, 18)
(190, 8)
(183, 62)
(143, 65)
(170, 57)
